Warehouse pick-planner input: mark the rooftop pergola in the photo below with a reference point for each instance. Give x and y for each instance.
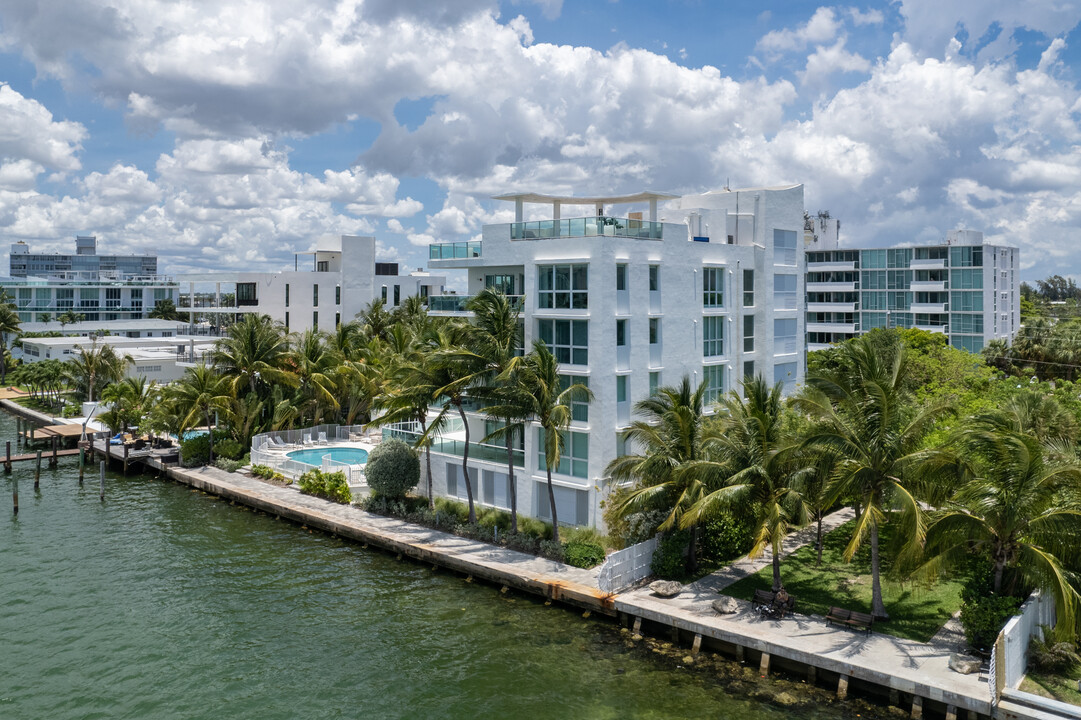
(598, 202)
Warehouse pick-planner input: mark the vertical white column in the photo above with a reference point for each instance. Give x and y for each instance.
(653, 209)
(191, 306)
(555, 211)
(518, 214)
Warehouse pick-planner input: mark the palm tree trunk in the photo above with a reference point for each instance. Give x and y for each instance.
(818, 542)
(3, 360)
(427, 460)
(465, 466)
(777, 585)
(878, 608)
(1000, 566)
(512, 488)
(210, 436)
(692, 551)
(552, 502)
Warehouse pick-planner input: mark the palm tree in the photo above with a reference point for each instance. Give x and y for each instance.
(131, 399)
(253, 353)
(198, 394)
(69, 317)
(96, 367)
(866, 419)
(670, 435)
(550, 406)
(1022, 509)
(750, 453)
(45, 318)
(317, 367)
(375, 319)
(9, 323)
(164, 309)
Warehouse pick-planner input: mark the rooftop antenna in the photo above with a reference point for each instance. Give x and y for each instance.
(726, 186)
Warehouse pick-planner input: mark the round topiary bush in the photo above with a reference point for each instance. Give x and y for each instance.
(393, 469)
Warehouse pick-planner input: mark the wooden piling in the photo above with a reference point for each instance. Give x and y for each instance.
(126, 449)
(15, 493)
(917, 707)
(7, 460)
(951, 712)
(697, 644)
(812, 674)
(82, 464)
(31, 431)
(842, 687)
(37, 472)
(102, 481)
(18, 430)
(763, 665)
(53, 462)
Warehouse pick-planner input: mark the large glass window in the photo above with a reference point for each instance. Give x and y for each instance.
(873, 280)
(967, 256)
(874, 300)
(654, 278)
(784, 292)
(972, 344)
(748, 333)
(654, 382)
(579, 408)
(315, 296)
(967, 301)
(713, 287)
(286, 294)
(654, 331)
(784, 247)
(500, 283)
(972, 324)
(712, 336)
(65, 297)
(784, 336)
(748, 288)
(966, 279)
(714, 379)
(621, 277)
(898, 279)
(621, 388)
(563, 286)
(574, 459)
(567, 339)
(872, 259)
(898, 257)
(621, 333)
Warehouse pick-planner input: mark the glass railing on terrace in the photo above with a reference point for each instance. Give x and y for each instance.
(447, 446)
(454, 250)
(599, 225)
(457, 303)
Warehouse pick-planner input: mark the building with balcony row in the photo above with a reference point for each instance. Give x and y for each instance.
(324, 288)
(966, 289)
(101, 288)
(710, 288)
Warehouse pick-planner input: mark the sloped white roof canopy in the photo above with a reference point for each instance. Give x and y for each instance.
(598, 202)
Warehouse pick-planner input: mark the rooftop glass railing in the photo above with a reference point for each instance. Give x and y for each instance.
(454, 250)
(457, 303)
(599, 225)
(447, 446)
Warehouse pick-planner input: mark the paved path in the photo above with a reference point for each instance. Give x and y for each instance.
(743, 567)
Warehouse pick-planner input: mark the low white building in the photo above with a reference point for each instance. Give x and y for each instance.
(324, 288)
(709, 286)
(161, 359)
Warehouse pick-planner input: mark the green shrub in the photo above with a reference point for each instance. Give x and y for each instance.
(1050, 656)
(669, 561)
(583, 554)
(983, 618)
(228, 448)
(393, 469)
(195, 451)
(226, 464)
(583, 535)
(459, 512)
(533, 527)
(725, 537)
(329, 485)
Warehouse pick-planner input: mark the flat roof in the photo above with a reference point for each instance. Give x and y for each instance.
(147, 342)
(531, 197)
(95, 325)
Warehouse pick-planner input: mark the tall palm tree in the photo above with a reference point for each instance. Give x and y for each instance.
(748, 452)
(9, 323)
(94, 367)
(1020, 508)
(253, 354)
(198, 394)
(131, 400)
(549, 405)
(318, 368)
(867, 420)
(669, 435)
(375, 319)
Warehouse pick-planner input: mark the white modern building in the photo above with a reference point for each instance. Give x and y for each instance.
(98, 287)
(324, 288)
(965, 288)
(709, 286)
(161, 359)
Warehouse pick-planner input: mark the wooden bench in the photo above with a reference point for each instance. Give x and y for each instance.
(858, 620)
(762, 598)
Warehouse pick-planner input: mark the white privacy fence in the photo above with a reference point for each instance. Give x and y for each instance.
(270, 449)
(1037, 611)
(625, 567)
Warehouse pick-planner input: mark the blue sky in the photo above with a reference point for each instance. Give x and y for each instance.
(230, 135)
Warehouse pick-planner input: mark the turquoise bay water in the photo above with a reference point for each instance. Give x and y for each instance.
(166, 603)
(314, 456)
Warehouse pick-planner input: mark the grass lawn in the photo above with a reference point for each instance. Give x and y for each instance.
(916, 611)
(1059, 687)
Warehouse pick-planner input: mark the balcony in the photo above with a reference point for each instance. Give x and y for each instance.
(831, 287)
(927, 264)
(933, 328)
(593, 226)
(928, 286)
(831, 307)
(456, 304)
(830, 266)
(449, 446)
(454, 250)
(849, 328)
(928, 307)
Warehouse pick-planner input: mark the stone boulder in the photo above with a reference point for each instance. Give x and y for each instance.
(666, 588)
(726, 606)
(964, 664)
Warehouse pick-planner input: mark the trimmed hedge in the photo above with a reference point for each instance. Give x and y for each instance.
(329, 485)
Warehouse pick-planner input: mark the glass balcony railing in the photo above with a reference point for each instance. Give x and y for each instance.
(446, 446)
(454, 250)
(592, 226)
(457, 303)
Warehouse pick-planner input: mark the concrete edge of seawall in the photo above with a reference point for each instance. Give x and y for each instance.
(24, 412)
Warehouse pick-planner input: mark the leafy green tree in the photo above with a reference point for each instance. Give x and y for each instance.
(95, 367)
(867, 419)
(198, 395)
(392, 469)
(9, 323)
(130, 401)
(253, 354)
(70, 317)
(164, 309)
(318, 369)
(668, 435)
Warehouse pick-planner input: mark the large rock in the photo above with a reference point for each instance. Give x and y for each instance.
(964, 664)
(726, 606)
(666, 588)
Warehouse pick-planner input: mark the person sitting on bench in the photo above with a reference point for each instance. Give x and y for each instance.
(780, 603)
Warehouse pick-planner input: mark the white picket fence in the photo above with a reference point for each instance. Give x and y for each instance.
(625, 567)
(1037, 611)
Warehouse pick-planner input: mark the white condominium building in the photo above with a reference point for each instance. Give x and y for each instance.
(966, 289)
(710, 286)
(324, 288)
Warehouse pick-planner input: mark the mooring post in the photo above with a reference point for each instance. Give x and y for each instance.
(53, 462)
(842, 687)
(82, 463)
(31, 431)
(697, 644)
(18, 430)
(917, 707)
(7, 459)
(763, 665)
(37, 472)
(15, 493)
(638, 626)
(895, 697)
(739, 653)
(126, 448)
(102, 482)
(812, 674)
(951, 712)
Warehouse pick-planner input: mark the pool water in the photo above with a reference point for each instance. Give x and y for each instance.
(314, 456)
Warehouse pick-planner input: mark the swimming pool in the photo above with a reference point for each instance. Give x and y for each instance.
(314, 456)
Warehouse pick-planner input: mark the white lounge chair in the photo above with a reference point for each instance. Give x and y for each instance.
(307, 439)
(322, 440)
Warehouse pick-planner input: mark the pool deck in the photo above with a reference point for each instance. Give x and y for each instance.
(913, 672)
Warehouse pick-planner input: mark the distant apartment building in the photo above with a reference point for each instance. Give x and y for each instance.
(326, 287)
(966, 288)
(709, 287)
(98, 287)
